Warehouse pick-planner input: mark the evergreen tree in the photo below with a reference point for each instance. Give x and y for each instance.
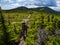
(48, 18)
(42, 21)
(52, 18)
(58, 24)
(4, 29)
(9, 20)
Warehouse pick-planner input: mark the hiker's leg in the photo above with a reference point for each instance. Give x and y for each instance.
(24, 38)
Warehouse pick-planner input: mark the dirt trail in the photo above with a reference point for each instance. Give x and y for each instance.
(22, 41)
(24, 20)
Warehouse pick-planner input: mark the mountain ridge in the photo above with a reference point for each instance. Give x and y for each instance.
(43, 9)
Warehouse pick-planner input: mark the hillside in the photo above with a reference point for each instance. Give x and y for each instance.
(39, 9)
(44, 25)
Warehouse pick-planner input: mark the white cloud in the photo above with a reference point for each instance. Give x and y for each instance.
(57, 8)
(58, 3)
(9, 1)
(11, 6)
(5, 0)
(27, 3)
(15, 5)
(32, 6)
(0, 4)
(20, 0)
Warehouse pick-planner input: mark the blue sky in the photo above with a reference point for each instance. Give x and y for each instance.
(10, 4)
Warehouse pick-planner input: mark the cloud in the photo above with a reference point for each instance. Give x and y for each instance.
(32, 6)
(8, 1)
(0, 5)
(38, 2)
(27, 3)
(6, 7)
(57, 8)
(5, 0)
(20, 0)
(11, 6)
(58, 3)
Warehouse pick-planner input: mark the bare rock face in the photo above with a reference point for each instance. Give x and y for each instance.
(42, 36)
(58, 32)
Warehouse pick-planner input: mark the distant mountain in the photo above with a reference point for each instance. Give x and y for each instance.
(20, 8)
(43, 9)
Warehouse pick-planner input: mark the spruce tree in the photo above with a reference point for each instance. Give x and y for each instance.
(4, 29)
(48, 18)
(42, 23)
(9, 20)
(58, 24)
(52, 18)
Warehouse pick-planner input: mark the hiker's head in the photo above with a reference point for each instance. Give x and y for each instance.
(23, 24)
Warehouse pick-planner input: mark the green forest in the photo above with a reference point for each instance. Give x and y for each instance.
(44, 26)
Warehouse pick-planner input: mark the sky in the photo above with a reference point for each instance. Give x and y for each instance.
(10, 4)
